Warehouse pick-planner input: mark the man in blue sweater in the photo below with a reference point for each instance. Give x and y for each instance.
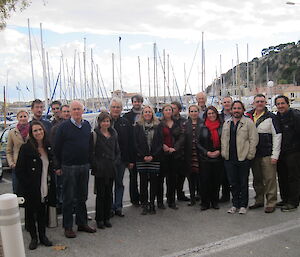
(72, 148)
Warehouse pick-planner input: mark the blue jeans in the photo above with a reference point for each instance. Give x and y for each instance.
(75, 193)
(238, 177)
(119, 186)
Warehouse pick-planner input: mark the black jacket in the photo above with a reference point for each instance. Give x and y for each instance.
(125, 139)
(106, 153)
(29, 173)
(205, 143)
(130, 116)
(188, 142)
(177, 138)
(290, 127)
(141, 144)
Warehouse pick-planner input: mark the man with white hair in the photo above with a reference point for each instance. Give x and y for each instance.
(123, 127)
(72, 150)
(201, 100)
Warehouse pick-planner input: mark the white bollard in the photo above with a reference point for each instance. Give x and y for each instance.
(10, 226)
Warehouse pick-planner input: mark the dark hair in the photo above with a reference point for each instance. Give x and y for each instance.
(260, 95)
(179, 106)
(286, 99)
(36, 101)
(102, 116)
(238, 102)
(32, 140)
(137, 97)
(214, 109)
(64, 105)
(56, 102)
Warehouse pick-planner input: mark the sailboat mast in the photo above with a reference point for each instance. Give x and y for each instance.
(140, 76)
(113, 72)
(44, 70)
(149, 78)
(202, 63)
(31, 61)
(120, 59)
(84, 69)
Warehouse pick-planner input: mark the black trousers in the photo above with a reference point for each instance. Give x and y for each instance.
(147, 178)
(103, 198)
(180, 179)
(133, 185)
(288, 169)
(210, 181)
(36, 214)
(169, 168)
(225, 185)
(193, 179)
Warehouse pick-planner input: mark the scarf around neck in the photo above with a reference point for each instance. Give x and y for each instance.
(24, 130)
(213, 128)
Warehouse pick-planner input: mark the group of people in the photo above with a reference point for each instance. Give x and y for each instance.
(51, 162)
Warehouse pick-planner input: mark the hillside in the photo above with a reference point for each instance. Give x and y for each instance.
(280, 64)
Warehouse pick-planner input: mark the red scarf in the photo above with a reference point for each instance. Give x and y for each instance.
(24, 130)
(213, 128)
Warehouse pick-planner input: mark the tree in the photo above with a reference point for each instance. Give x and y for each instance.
(9, 6)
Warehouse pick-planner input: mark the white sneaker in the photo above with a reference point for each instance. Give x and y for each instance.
(243, 210)
(232, 210)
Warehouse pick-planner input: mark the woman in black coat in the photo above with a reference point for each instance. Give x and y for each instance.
(106, 152)
(35, 173)
(173, 143)
(148, 145)
(209, 146)
(191, 135)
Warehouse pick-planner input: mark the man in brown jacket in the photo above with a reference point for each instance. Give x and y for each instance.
(238, 147)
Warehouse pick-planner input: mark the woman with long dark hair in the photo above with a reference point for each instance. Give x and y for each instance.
(209, 147)
(191, 133)
(106, 152)
(148, 145)
(35, 173)
(173, 143)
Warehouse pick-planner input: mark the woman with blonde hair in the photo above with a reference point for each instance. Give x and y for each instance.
(148, 145)
(16, 138)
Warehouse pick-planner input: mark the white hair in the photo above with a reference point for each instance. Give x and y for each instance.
(116, 100)
(77, 102)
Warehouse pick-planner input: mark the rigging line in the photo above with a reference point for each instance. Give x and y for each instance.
(165, 79)
(98, 70)
(176, 83)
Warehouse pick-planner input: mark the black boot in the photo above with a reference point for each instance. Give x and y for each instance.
(145, 209)
(33, 243)
(193, 201)
(152, 209)
(45, 241)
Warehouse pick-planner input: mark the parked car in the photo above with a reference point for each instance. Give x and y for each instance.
(3, 144)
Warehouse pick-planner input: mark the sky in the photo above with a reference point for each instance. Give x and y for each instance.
(175, 26)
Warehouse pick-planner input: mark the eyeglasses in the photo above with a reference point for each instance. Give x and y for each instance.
(55, 108)
(193, 111)
(115, 107)
(260, 101)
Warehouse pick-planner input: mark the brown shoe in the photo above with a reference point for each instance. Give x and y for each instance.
(256, 206)
(69, 233)
(86, 228)
(270, 209)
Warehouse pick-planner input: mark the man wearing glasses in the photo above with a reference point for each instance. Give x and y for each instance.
(267, 153)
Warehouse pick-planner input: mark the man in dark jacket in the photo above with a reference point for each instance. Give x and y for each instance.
(123, 127)
(176, 106)
(224, 116)
(132, 116)
(56, 110)
(37, 108)
(288, 166)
